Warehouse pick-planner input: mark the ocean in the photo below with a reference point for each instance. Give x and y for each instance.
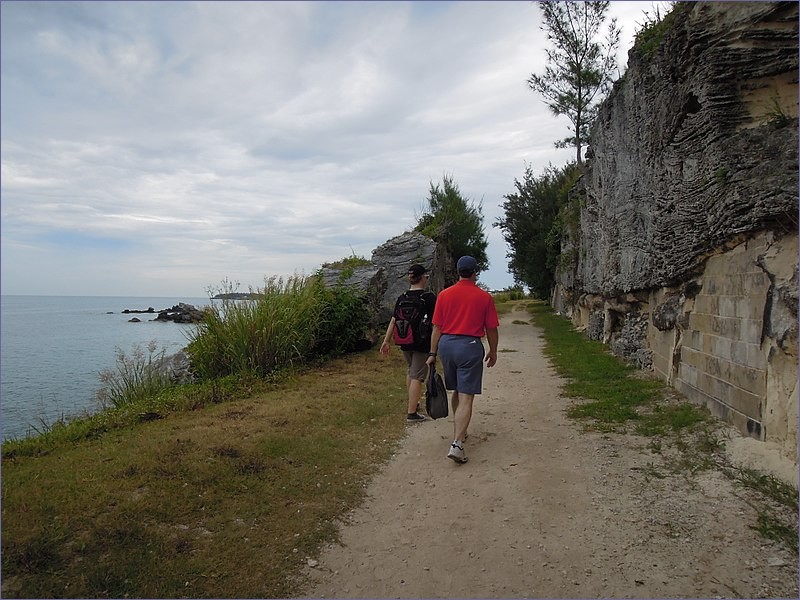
(54, 348)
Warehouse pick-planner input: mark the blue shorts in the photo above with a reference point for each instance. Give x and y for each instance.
(462, 362)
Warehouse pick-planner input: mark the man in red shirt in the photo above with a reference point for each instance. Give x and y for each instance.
(464, 313)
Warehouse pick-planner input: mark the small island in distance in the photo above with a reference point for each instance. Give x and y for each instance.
(236, 296)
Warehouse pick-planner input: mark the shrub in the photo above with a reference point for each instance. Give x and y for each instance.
(509, 294)
(342, 320)
(289, 322)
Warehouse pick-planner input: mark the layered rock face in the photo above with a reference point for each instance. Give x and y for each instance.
(382, 281)
(685, 260)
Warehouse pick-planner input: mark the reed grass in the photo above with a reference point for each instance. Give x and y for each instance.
(135, 378)
(278, 327)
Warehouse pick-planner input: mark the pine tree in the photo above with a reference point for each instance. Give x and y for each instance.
(579, 69)
(455, 222)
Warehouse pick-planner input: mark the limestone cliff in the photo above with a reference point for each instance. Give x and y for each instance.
(385, 278)
(685, 256)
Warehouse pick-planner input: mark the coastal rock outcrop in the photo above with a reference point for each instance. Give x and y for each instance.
(182, 313)
(179, 313)
(385, 278)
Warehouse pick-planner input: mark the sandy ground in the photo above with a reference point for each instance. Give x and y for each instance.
(543, 509)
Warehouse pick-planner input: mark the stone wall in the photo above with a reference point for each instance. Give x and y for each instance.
(685, 259)
(733, 345)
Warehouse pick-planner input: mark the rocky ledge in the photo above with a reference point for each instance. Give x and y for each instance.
(180, 313)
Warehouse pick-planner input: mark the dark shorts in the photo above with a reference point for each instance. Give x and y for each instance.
(462, 362)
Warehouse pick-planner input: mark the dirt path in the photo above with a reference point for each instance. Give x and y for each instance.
(544, 510)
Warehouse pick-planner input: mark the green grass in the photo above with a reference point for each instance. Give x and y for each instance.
(226, 501)
(609, 393)
(651, 33)
(774, 522)
(613, 397)
(773, 528)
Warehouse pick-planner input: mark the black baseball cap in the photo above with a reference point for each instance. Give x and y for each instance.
(417, 270)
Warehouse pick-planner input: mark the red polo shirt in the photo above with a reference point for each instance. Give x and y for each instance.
(465, 309)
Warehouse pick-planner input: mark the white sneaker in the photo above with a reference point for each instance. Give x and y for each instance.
(457, 453)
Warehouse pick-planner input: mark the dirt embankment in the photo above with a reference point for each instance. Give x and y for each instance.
(543, 509)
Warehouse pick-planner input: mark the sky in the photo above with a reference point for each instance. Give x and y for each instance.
(179, 148)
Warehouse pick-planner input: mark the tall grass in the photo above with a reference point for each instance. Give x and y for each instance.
(286, 323)
(136, 377)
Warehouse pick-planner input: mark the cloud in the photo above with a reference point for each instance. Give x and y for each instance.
(159, 148)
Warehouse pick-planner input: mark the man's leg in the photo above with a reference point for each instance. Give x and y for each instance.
(462, 413)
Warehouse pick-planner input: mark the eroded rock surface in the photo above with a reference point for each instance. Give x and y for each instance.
(685, 259)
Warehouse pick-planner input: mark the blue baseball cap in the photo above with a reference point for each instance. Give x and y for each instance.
(467, 263)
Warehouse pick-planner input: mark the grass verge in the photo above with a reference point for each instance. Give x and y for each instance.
(223, 502)
(614, 397)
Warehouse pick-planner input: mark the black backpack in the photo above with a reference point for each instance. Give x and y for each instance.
(412, 323)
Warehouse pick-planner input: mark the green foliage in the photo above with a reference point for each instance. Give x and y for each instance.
(772, 524)
(289, 322)
(455, 222)
(509, 294)
(531, 228)
(721, 175)
(342, 320)
(579, 69)
(773, 528)
(780, 492)
(610, 396)
(259, 335)
(666, 419)
(651, 32)
(349, 262)
(776, 115)
(137, 376)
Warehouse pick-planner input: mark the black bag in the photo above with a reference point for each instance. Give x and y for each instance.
(436, 398)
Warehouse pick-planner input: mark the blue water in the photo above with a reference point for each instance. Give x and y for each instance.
(54, 348)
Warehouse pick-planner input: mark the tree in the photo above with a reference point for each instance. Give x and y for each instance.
(454, 222)
(578, 67)
(531, 226)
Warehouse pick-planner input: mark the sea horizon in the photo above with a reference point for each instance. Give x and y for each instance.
(4, 294)
(54, 348)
